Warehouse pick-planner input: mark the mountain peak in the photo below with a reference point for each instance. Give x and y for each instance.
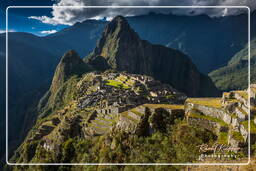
(117, 25)
(119, 19)
(117, 34)
(120, 48)
(70, 56)
(69, 65)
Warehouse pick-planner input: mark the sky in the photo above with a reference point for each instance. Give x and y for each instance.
(46, 21)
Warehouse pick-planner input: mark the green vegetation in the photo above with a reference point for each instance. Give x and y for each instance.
(178, 144)
(167, 106)
(233, 115)
(117, 84)
(234, 75)
(223, 138)
(107, 120)
(102, 123)
(237, 136)
(209, 102)
(252, 126)
(136, 112)
(126, 115)
(62, 97)
(244, 94)
(197, 115)
(170, 96)
(100, 128)
(113, 49)
(241, 110)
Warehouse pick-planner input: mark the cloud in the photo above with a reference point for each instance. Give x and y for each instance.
(10, 30)
(48, 31)
(69, 15)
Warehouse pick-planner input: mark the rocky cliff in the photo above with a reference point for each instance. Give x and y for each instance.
(69, 68)
(116, 116)
(120, 48)
(121, 117)
(69, 65)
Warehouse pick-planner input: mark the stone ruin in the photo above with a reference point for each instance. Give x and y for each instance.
(228, 115)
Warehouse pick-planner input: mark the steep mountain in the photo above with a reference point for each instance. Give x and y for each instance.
(70, 65)
(235, 74)
(118, 117)
(120, 48)
(2, 101)
(177, 32)
(81, 36)
(197, 36)
(103, 110)
(32, 61)
(34, 58)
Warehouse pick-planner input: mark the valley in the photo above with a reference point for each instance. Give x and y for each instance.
(130, 101)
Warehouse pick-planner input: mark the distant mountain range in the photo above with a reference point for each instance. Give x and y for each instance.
(210, 42)
(123, 104)
(120, 48)
(234, 75)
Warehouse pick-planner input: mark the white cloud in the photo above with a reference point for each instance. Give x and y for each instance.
(69, 16)
(48, 31)
(10, 30)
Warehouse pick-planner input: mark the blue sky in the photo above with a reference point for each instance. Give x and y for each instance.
(44, 21)
(19, 18)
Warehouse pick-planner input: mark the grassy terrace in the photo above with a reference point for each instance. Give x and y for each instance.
(100, 128)
(126, 115)
(209, 102)
(237, 136)
(102, 123)
(252, 124)
(241, 110)
(121, 78)
(136, 112)
(107, 120)
(233, 115)
(117, 84)
(167, 106)
(226, 93)
(130, 82)
(244, 94)
(223, 138)
(196, 115)
(253, 110)
(253, 89)
(232, 100)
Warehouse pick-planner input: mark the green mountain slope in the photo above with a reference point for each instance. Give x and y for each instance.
(111, 117)
(61, 91)
(120, 48)
(235, 74)
(117, 117)
(121, 115)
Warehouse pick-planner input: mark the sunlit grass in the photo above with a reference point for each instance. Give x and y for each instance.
(210, 102)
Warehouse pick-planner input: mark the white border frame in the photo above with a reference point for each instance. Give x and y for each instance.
(121, 164)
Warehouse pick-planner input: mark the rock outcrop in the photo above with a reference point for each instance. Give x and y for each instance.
(120, 48)
(70, 64)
